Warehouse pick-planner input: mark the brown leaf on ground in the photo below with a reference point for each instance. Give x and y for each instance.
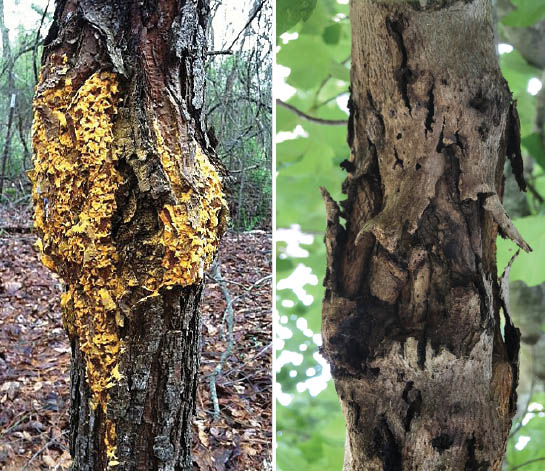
(35, 359)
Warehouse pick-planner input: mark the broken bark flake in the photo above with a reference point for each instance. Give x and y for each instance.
(106, 18)
(334, 236)
(511, 332)
(493, 205)
(504, 279)
(184, 29)
(387, 279)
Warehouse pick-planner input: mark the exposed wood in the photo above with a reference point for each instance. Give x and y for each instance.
(411, 314)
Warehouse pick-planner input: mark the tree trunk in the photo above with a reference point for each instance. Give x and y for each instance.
(7, 57)
(129, 210)
(412, 312)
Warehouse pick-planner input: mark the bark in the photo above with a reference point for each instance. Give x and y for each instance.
(424, 371)
(129, 210)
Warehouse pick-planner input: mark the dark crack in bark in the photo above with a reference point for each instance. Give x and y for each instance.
(404, 74)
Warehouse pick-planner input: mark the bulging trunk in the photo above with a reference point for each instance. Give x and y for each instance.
(129, 210)
(413, 305)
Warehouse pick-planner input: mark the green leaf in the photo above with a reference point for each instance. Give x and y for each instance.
(332, 34)
(529, 268)
(339, 71)
(534, 429)
(321, 18)
(284, 265)
(526, 13)
(308, 58)
(517, 71)
(289, 458)
(289, 13)
(290, 151)
(315, 427)
(534, 146)
(286, 120)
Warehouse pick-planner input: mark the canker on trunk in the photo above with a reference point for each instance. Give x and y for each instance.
(129, 209)
(411, 314)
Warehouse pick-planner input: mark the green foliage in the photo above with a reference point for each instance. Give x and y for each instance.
(518, 73)
(311, 436)
(290, 13)
(526, 13)
(525, 268)
(533, 144)
(310, 430)
(528, 437)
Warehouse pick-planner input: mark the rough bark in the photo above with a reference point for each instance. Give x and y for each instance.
(129, 209)
(425, 374)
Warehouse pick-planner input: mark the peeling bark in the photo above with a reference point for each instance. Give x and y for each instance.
(411, 314)
(129, 210)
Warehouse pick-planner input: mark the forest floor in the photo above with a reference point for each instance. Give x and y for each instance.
(35, 358)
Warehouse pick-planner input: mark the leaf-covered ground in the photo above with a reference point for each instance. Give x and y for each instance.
(35, 359)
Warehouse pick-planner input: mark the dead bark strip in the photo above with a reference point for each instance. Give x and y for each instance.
(411, 314)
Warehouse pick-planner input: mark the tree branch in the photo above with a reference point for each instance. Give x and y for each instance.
(219, 53)
(37, 42)
(301, 114)
(252, 16)
(228, 315)
(526, 463)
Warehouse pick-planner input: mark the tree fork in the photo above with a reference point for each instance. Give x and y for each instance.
(411, 314)
(129, 210)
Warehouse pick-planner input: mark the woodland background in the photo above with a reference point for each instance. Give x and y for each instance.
(236, 308)
(312, 93)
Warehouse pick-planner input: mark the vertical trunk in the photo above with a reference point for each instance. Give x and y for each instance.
(240, 194)
(129, 209)
(7, 144)
(411, 315)
(7, 57)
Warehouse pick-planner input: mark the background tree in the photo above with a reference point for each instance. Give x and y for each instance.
(18, 76)
(310, 427)
(238, 106)
(239, 110)
(129, 209)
